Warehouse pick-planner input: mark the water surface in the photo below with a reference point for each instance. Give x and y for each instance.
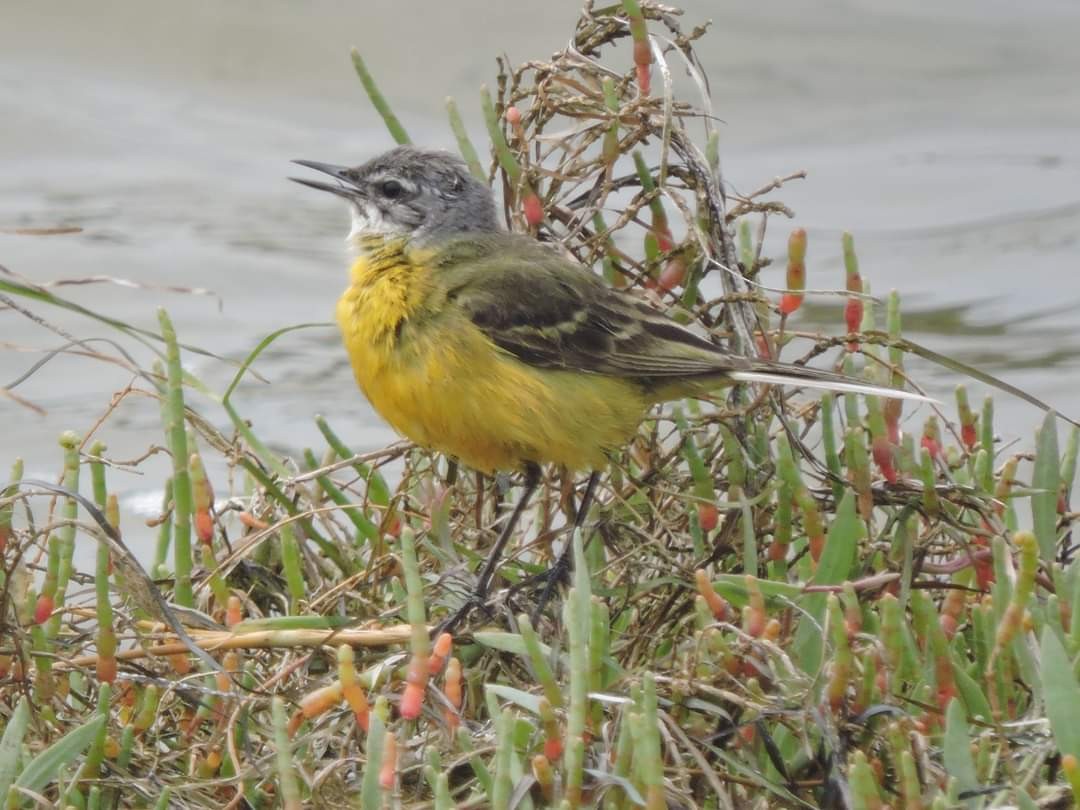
(947, 141)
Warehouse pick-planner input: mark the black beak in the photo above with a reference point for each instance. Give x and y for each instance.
(346, 187)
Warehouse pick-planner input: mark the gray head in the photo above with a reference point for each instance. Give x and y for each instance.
(425, 195)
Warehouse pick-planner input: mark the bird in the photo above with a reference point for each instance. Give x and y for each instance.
(493, 348)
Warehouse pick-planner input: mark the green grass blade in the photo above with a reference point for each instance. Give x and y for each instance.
(733, 588)
(968, 371)
(465, 146)
(841, 544)
(370, 792)
(498, 139)
(378, 100)
(504, 754)
(519, 697)
(290, 790)
(264, 453)
(971, 693)
(42, 769)
(146, 337)
(11, 744)
(837, 559)
(957, 750)
(506, 642)
(1062, 694)
(1044, 482)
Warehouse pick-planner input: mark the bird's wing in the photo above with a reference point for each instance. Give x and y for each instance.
(551, 313)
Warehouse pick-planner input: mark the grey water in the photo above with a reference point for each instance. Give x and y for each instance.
(946, 137)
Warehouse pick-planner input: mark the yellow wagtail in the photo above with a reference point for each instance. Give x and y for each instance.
(494, 349)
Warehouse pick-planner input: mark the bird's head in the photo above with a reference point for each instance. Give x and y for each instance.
(423, 195)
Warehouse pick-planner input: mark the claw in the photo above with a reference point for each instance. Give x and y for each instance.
(553, 577)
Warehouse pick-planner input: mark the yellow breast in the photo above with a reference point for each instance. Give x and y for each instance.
(438, 380)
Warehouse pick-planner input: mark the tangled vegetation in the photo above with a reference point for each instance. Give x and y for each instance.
(778, 600)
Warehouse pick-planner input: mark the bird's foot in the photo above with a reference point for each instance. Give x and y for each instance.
(545, 584)
(558, 574)
(477, 601)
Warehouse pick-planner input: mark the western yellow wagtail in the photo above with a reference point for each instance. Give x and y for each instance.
(494, 349)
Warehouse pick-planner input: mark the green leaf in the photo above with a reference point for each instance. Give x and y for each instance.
(270, 459)
(507, 642)
(624, 784)
(293, 623)
(777, 594)
(11, 745)
(378, 100)
(970, 692)
(753, 775)
(1044, 481)
(525, 700)
(841, 544)
(1062, 694)
(957, 749)
(1069, 460)
(370, 792)
(968, 371)
(1027, 663)
(468, 151)
(837, 559)
(42, 769)
(144, 336)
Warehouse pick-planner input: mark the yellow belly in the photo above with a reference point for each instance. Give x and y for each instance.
(447, 387)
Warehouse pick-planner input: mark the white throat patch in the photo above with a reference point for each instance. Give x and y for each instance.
(363, 222)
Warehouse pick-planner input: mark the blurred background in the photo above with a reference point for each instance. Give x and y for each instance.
(946, 137)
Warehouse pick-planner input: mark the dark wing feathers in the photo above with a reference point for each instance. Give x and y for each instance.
(551, 313)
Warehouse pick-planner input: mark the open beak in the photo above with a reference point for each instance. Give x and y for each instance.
(346, 187)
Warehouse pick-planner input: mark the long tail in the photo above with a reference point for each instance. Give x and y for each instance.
(805, 377)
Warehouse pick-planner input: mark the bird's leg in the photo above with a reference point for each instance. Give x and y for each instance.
(561, 570)
(532, 481)
(479, 594)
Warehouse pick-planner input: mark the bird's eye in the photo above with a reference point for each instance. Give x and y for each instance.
(391, 189)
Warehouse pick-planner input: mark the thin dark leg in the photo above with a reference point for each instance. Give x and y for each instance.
(532, 481)
(560, 571)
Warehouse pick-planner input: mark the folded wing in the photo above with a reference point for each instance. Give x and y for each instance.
(549, 312)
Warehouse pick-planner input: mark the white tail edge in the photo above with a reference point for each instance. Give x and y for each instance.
(795, 381)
